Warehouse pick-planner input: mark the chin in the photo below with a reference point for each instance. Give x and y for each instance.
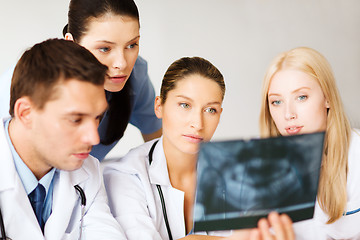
(112, 88)
(192, 151)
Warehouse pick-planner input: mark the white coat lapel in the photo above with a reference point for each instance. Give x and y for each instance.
(65, 199)
(159, 174)
(14, 202)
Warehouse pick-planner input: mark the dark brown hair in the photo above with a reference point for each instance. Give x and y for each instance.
(47, 63)
(185, 67)
(82, 11)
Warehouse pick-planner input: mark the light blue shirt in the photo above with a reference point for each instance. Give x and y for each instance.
(29, 180)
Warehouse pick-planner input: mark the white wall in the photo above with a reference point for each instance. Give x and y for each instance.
(239, 36)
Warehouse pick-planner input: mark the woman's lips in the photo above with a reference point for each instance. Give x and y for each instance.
(193, 138)
(118, 79)
(292, 130)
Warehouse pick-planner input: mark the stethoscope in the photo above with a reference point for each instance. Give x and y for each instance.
(83, 204)
(161, 194)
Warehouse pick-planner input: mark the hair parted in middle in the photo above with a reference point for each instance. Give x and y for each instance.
(332, 194)
(187, 66)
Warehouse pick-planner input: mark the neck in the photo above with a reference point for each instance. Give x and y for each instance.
(20, 139)
(181, 167)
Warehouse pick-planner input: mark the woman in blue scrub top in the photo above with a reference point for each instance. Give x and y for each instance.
(110, 30)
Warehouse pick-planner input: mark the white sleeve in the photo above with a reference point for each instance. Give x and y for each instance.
(128, 203)
(98, 220)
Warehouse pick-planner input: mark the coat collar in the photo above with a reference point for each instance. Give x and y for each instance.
(10, 183)
(65, 198)
(7, 169)
(158, 171)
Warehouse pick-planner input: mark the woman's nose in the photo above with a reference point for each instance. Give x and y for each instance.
(290, 112)
(197, 120)
(119, 60)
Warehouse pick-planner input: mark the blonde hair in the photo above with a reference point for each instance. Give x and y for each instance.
(332, 195)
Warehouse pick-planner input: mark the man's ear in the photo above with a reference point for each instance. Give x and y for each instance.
(22, 110)
(158, 107)
(69, 37)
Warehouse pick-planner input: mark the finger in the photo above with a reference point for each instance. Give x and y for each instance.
(277, 225)
(287, 224)
(264, 229)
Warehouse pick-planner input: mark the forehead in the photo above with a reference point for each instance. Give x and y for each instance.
(290, 79)
(110, 23)
(197, 85)
(78, 96)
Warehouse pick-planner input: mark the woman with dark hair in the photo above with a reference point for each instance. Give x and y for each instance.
(110, 30)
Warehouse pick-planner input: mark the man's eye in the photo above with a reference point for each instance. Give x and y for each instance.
(75, 120)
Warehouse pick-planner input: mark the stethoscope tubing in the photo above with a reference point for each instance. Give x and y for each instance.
(161, 195)
(83, 204)
(3, 234)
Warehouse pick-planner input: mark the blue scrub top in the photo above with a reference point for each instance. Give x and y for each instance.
(142, 98)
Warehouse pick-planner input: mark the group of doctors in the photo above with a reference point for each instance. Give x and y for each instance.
(56, 103)
(62, 123)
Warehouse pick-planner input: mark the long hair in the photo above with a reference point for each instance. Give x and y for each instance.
(332, 195)
(81, 12)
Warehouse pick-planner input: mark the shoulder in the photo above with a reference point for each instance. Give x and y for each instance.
(139, 74)
(355, 134)
(140, 62)
(89, 174)
(91, 165)
(354, 149)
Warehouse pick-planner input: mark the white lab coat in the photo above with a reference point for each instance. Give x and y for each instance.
(64, 221)
(134, 199)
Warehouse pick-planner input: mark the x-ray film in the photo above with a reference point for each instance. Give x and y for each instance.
(241, 181)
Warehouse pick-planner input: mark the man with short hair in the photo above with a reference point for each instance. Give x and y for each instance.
(50, 188)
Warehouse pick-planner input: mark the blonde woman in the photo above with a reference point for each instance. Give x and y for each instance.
(299, 95)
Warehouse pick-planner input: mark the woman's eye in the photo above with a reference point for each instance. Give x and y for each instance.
(276, 102)
(104, 49)
(184, 105)
(132, 45)
(210, 110)
(302, 97)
